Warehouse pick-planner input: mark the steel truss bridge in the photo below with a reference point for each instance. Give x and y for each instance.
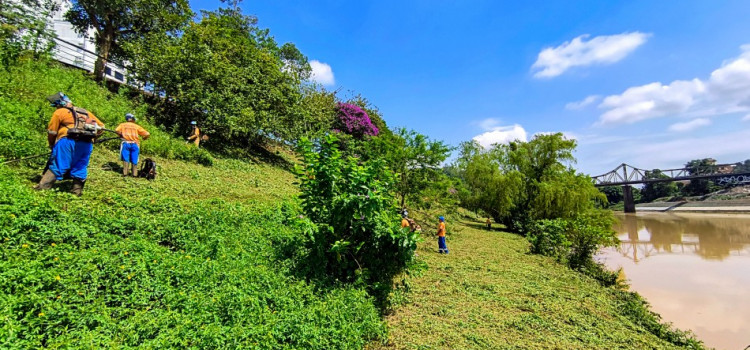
(629, 175)
(626, 175)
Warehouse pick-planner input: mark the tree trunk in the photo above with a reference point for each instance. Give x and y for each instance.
(106, 38)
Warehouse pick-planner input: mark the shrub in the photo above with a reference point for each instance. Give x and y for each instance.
(573, 241)
(353, 120)
(356, 236)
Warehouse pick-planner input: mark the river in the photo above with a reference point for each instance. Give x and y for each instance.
(694, 269)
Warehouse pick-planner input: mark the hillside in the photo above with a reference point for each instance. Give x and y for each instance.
(204, 256)
(208, 256)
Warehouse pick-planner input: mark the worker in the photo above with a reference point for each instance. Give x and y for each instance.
(404, 221)
(489, 224)
(70, 135)
(195, 134)
(442, 248)
(130, 149)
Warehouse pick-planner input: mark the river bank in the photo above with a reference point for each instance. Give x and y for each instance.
(490, 293)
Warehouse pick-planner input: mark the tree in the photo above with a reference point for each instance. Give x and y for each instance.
(654, 190)
(415, 158)
(117, 21)
(614, 193)
(355, 236)
(230, 76)
(701, 186)
(24, 26)
(522, 182)
(742, 167)
(353, 120)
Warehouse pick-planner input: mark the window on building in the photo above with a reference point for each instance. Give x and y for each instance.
(119, 76)
(107, 71)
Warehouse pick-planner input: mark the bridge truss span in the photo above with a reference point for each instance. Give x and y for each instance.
(626, 174)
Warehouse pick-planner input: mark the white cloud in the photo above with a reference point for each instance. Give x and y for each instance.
(650, 101)
(727, 90)
(605, 49)
(504, 134)
(322, 73)
(574, 106)
(691, 125)
(746, 118)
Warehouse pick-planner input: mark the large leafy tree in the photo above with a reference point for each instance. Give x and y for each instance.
(118, 21)
(415, 158)
(614, 193)
(521, 182)
(231, 76)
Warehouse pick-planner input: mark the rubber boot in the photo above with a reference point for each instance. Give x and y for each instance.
(77, 187)
(48, 178)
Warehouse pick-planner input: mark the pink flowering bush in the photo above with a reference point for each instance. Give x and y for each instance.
(354, 121)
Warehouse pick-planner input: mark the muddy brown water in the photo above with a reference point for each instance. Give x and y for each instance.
(694, 270)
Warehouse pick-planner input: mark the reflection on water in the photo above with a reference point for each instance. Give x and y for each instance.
(713, 237)
(694, 269)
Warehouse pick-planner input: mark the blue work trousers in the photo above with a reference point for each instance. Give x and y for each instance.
(69, 156)
(442, 248)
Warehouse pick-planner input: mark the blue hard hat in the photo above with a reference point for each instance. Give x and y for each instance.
(129, 116)
(59, 100)
(193, 122)
(441, 218)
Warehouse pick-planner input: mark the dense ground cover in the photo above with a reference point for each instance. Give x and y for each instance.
(199, 258)
(490, 293)
(203, 257)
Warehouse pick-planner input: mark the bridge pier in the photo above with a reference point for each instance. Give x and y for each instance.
(627, 194)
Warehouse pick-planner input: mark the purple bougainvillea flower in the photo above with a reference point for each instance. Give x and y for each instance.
(354, 121)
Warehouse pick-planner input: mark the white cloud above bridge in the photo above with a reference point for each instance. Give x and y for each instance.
(725, 91)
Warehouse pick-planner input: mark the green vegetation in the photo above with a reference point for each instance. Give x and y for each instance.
(117, 22)
(529, 187)
(490, 294)
(354, 227)
(204, 256)
(23, 88)
(227, 253)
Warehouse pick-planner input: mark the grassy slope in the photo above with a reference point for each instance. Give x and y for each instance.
(203, 257)
(489, 293)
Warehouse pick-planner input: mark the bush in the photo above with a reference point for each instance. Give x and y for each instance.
(355, 236)
(573, 241)
(550, 238)
(354, 121)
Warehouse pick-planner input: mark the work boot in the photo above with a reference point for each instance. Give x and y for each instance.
(77, 187)
(48, 178)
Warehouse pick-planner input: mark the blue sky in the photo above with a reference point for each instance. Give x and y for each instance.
(650, 83)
